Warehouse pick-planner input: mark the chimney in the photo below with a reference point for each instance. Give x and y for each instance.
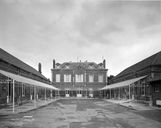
(39, 67)
(104, 63)
(54, 64)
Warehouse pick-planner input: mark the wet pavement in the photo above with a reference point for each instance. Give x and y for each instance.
(81, 113)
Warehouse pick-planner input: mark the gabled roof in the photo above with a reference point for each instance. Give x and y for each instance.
(5, 56)
(152, 60)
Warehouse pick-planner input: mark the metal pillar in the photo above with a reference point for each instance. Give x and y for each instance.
(45, 94)
(110, 93)
(8, 91)
(129, 92)
(13, 107)
(35, 96)
(119, 93)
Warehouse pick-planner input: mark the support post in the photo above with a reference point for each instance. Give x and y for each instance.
(8, 91)
(35, 96)
(119, 94)
(13, 108)
(45, 94)
(110, 93)
(129, 92)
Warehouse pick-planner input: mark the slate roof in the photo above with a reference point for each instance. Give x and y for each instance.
(152, 60)
(5, 56)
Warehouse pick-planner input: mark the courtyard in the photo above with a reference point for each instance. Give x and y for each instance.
(82, 113)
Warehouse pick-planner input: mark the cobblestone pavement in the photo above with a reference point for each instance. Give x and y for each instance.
(79, 113)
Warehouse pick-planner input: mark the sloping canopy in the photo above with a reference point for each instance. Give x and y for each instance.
(27, 80)
(122, 84)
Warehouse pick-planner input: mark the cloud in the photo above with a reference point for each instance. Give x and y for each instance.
(41, 30)
(98, 21)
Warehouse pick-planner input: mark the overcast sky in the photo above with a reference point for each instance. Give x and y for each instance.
(122, 32)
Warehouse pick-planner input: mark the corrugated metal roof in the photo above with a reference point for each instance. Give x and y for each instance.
(5, 56)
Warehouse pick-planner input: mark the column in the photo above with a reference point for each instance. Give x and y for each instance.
(45, 94)
(13, 105)
(129, 92)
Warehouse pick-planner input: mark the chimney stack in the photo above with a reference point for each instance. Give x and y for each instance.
(39, 67)
(54, 64)
(104, 63)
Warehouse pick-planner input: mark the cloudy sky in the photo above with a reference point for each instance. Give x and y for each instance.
(122, 32)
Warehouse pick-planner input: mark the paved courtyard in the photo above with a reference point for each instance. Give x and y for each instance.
(80, 113)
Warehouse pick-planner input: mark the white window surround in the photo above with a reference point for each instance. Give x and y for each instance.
(91, 78)
(57, 77)
(79, 78)
(67, 77)
(100, 78)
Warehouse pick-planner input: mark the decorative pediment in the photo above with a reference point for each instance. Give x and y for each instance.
(57, 66)
(100, 66)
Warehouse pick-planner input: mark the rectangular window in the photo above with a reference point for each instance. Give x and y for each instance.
(79, 77)
(100, 78)
(91, 78)
(67, 78)
(57, 77)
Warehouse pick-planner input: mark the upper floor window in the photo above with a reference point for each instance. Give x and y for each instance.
(79, 77)
(67, 78)
(91, 78)
(57, 77)
(100, 78)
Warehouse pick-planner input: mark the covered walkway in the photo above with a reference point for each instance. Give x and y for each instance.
(21, 90)
(128, 89)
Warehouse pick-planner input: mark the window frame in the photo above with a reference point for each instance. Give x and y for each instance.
(79, 78)
(91, 78)
(56, 78)
(67, 78)
(102, 78)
